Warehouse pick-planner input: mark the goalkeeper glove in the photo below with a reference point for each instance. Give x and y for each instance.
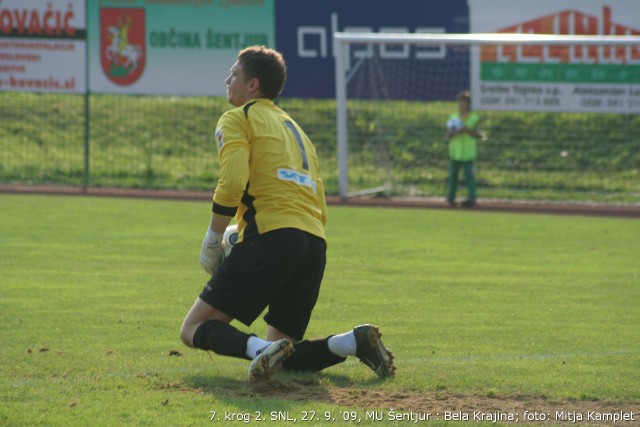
(212, 252)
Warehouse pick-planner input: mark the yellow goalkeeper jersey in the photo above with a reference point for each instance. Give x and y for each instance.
(269, 176)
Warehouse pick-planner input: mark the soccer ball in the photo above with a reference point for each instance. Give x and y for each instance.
(455, 125)
(229, 239)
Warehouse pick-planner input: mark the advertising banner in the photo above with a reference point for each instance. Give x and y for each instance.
(172, 47)
(43, 46)
(305, 37)
(557, 78)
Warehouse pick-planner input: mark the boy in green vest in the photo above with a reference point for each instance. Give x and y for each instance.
(462, 133)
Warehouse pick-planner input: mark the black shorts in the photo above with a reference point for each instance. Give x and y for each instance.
(281, 269)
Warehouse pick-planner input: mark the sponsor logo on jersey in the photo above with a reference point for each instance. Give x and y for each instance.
(297, 177)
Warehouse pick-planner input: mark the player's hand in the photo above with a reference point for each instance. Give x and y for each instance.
(212, 252)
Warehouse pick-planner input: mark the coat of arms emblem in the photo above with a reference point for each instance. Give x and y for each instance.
(122, 44)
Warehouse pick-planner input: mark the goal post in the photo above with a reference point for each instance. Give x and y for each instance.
(355, 48)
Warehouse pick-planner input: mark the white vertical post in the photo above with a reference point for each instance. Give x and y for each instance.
(341, 117)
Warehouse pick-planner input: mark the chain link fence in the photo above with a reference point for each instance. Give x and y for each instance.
(155, 142)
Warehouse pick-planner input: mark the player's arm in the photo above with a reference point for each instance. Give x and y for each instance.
(233, 151)
(232, 181)
(219, 223)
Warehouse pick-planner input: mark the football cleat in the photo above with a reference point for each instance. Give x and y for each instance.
(371, 351)
(269, 360)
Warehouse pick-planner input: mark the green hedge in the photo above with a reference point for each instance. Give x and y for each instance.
(168, 142)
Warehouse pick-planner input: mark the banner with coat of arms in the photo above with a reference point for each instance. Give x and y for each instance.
(164, 47)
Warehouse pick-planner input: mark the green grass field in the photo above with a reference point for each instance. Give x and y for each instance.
(489, 311)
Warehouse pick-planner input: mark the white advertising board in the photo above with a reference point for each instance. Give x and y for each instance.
(43, 46)
(556, 78)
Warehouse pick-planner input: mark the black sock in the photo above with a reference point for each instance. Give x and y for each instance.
(221, 338)
(312, 355)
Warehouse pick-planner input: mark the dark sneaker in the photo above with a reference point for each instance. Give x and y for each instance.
(372, 352)
(468, 203)
(452, 203)
(269, 361)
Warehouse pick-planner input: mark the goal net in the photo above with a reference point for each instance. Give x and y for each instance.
(558, 114)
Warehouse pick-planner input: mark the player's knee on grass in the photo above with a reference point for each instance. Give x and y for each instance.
(186, 334)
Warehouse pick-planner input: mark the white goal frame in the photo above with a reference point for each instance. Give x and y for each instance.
(341, 41)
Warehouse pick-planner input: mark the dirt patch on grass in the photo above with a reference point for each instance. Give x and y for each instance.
(415, 406)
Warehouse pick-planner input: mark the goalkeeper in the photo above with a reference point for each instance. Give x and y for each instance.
(269, 182)
(462, 133)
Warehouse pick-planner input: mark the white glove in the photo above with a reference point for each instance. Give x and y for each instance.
(212, 252)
